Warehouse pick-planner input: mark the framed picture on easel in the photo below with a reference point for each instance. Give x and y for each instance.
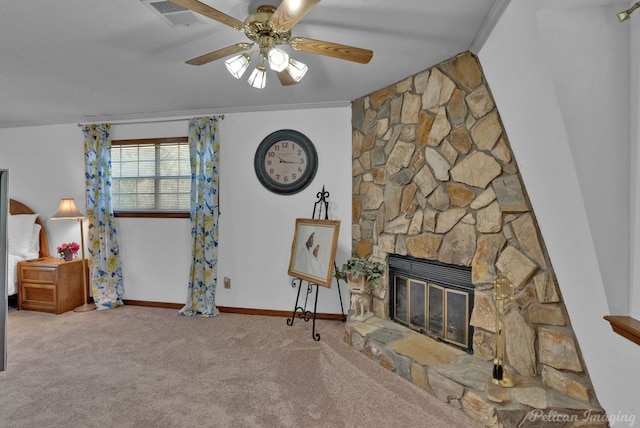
(313, 251)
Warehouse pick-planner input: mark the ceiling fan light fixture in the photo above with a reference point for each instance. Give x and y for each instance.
(258, 78)
(238, 64)
(269, 28)
(296, 69)
(278, 59)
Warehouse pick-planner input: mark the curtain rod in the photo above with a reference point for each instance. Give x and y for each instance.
(115, 122)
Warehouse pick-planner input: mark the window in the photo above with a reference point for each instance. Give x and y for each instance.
(151, 177)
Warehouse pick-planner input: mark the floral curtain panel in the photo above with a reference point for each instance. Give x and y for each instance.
(104, 256)
(205, 156)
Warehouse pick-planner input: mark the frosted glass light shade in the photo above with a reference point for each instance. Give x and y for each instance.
(278, 59)
(258, 78)
(238, 64)
(296, 69)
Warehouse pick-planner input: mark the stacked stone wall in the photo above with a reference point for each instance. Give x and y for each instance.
(434, 177)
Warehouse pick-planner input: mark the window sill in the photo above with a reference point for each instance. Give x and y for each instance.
(625, 326)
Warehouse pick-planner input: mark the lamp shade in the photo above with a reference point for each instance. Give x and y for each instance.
(67, 210)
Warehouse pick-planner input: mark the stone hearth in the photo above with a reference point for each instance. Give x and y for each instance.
(464, 381)
(434, 178)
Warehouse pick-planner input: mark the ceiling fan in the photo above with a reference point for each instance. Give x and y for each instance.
(270, 27)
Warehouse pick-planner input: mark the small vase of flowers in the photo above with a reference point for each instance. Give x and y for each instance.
(68, 250)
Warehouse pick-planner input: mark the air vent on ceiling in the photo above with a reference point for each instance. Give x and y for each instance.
(173, 14)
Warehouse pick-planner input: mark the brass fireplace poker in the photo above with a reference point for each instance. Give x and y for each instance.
(504, 294)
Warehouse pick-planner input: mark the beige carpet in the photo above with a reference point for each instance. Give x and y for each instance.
(147, 367)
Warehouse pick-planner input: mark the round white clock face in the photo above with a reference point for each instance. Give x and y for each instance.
(285, 162)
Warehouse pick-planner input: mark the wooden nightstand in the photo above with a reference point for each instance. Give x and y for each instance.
(50, 285)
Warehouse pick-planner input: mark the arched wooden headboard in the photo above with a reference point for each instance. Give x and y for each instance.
(16, 207)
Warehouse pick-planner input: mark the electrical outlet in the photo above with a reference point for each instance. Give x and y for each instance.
(227, 282)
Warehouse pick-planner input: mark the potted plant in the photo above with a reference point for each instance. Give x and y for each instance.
(361, 269)
(363, 277)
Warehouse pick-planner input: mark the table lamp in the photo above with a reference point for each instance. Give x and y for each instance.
(68, 211)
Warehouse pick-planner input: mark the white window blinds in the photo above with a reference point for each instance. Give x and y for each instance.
(151, 175)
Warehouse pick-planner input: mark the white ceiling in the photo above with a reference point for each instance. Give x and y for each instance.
(95, 60)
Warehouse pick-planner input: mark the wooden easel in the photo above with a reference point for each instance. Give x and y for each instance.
(320, 206)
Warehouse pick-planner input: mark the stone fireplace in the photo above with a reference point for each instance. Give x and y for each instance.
(434, 178)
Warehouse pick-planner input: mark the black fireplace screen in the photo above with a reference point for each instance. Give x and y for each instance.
(433, 298)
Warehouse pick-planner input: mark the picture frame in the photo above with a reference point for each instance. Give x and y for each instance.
(313, 250)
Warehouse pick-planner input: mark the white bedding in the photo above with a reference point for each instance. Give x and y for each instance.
(24, 242)
(12, 278)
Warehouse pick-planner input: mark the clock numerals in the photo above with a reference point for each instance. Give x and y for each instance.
(285, 161)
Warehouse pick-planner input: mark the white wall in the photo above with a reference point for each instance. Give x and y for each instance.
(45, 165)
(634, 91)
(558, 73)
(256, 226)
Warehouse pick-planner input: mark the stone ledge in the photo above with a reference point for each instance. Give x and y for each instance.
(460, 379)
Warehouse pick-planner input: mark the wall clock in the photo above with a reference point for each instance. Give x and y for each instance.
(286, 162)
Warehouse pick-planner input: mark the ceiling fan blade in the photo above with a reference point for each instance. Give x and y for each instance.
(220, 53)
(335, 50)
(291, 11)
(285, 78)
(209, 12)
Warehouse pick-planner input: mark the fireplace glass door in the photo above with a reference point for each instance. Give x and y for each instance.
(416, 303)
(432, 298)
(438, 311)
(457, 314)
(410, 302)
